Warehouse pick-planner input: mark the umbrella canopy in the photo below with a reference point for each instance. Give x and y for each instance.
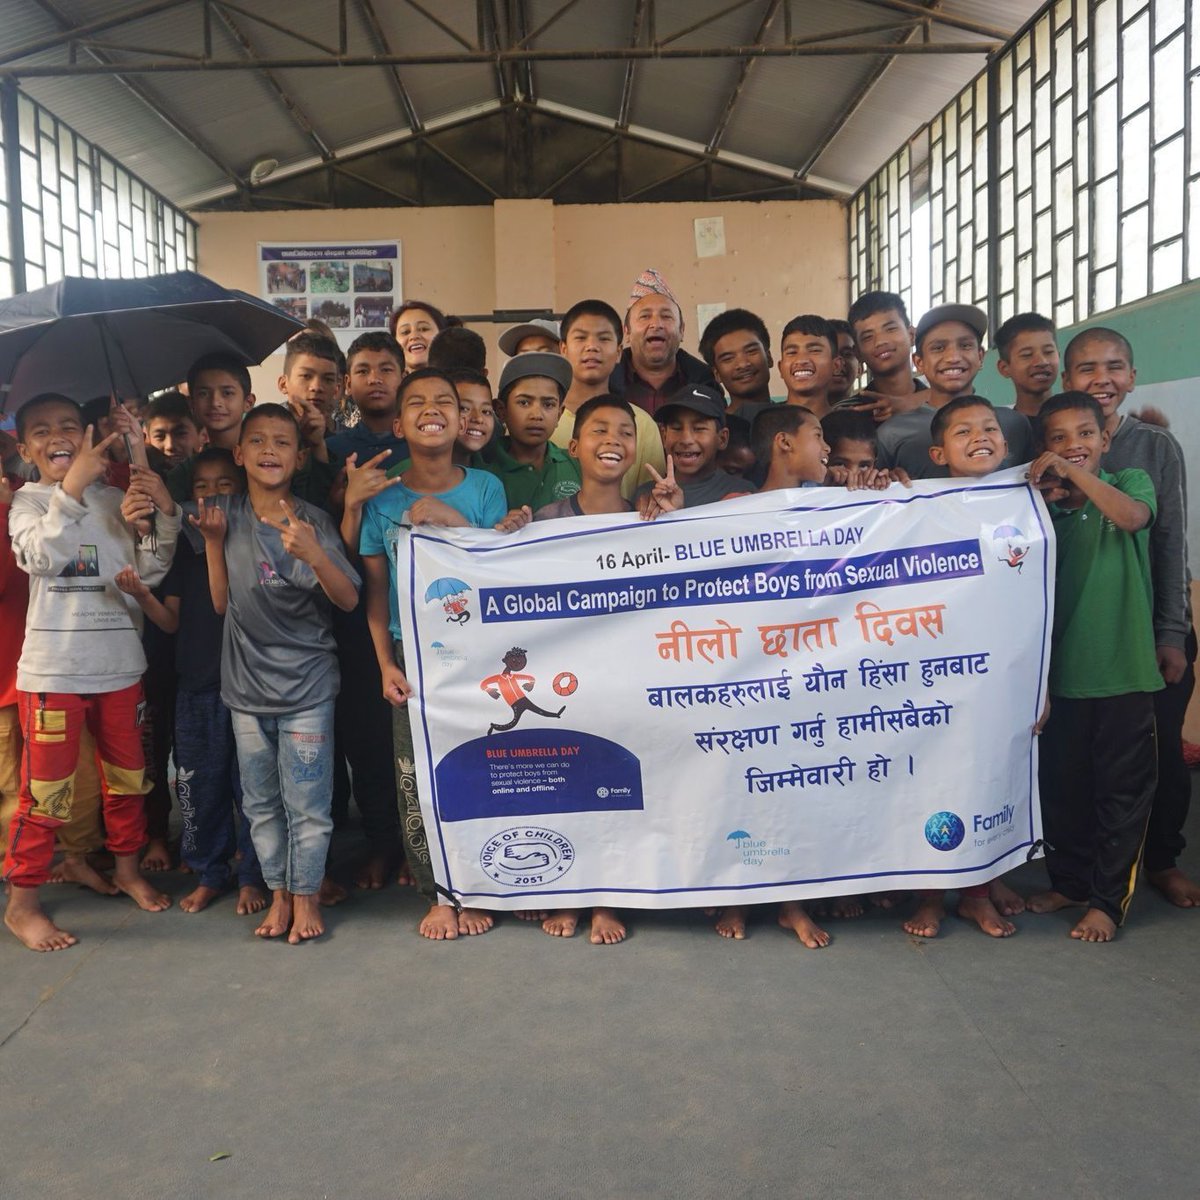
(439, 589)
(87, 337)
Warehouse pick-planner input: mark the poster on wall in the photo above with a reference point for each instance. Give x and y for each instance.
(351, 286)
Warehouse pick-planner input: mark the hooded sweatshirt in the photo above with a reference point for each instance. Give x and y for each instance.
(82, 633)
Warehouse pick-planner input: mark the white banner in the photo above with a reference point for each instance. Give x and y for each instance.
(796, 694)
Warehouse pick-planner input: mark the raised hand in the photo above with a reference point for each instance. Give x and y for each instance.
(6, 492)
(150, 484)
(366, 481)
(299, 537)
(310, 419)
(122, 422)
(210, 522)
(429, 510)
(89, 464)
(130, 582)
(665, 496)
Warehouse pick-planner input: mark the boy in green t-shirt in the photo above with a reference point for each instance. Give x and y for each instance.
(533, 470)
(1098, 757)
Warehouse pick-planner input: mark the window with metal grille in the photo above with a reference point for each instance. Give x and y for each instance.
(1064, 179)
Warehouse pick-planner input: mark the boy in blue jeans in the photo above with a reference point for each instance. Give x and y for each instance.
(275, 565)
(432, 490)
(208, 786)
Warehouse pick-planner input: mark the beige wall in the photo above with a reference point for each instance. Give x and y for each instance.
(781, 258)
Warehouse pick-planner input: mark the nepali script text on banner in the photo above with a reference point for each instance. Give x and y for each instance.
(795, 694)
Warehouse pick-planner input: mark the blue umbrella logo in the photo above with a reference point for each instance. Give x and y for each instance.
(737, 835)
(453, 596)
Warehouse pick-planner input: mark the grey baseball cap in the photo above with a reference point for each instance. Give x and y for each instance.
(512, 337)
(536, 362)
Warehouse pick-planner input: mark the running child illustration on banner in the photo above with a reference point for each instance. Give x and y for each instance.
(784, 696)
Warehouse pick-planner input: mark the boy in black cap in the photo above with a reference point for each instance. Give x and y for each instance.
(692, 424)
(949, 353)
(532, 469)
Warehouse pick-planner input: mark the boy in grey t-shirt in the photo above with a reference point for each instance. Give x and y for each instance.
(275, 565)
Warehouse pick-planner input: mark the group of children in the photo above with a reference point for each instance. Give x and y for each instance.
(254, 560)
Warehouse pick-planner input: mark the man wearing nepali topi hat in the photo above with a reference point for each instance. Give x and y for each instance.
(653, 367)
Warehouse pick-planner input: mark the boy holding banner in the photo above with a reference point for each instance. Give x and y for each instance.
(1099, 759)
(431, 490)
(967, 442)
(604, 444)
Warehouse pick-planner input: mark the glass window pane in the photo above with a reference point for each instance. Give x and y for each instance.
(1168, 190)
(1104, 132)
(1135, 161)
(1168, 17)
(1134, 257)
(1105, 199)
(1193, 249)
(1105, 285)
(1167, 267)
(1168, 90)
(1135, 64)
(1104, 42)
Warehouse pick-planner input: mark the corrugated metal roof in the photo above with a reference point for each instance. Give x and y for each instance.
(787, 109)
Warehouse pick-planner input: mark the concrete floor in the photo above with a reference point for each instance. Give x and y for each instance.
(376, 1065)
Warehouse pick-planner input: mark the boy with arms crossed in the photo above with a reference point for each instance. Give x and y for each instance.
(275, 566)
(82, 660)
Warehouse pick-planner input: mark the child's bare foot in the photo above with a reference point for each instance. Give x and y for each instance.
(127, 876)
(279, 916)
(530, 914)
(28, 922)
(157, 856)
(561, 924)
(474, 920)
(184, 869)
(1051, 901)
(984, 913)
(732, 922)
(75, 868)
(307, 922)
(927, 920)
(331, 892)
(1095, 926)
(1007, 902)
(251, 899)
(403, 875)
(440, 923)
(1176, 887)
(607, 929)
(199, 899)
(373, 875)
(886, 900)
(793, 916)
(846, 906)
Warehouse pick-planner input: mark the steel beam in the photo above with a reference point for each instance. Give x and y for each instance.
(938, 16)
(744, 70)
(639, 15)
(397, 84)
(54, 40)
(297, 114)
(138, 90)
(501, 57)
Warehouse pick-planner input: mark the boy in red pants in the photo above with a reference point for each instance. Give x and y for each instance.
(82, 659)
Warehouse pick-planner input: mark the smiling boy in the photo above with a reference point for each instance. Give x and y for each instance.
(432, 490)
(807, 356)
(219, 390)
(82, 659)
(1099, 362)
(694, 433)
(737, 346)
(949, 353)
(1098, 758)
(1029, 357)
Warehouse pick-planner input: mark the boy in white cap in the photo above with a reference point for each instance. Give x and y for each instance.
(530, 337)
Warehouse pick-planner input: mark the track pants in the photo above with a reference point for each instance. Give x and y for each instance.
(1173, 796)
(1097, 776)
(51, 723)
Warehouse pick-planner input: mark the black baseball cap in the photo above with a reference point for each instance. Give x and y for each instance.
(699, 398)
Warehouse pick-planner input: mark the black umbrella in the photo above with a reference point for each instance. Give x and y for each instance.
(87, 337)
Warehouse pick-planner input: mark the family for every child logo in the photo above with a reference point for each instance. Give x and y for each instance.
(526, 856)
(945, 831)
(451, 593)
